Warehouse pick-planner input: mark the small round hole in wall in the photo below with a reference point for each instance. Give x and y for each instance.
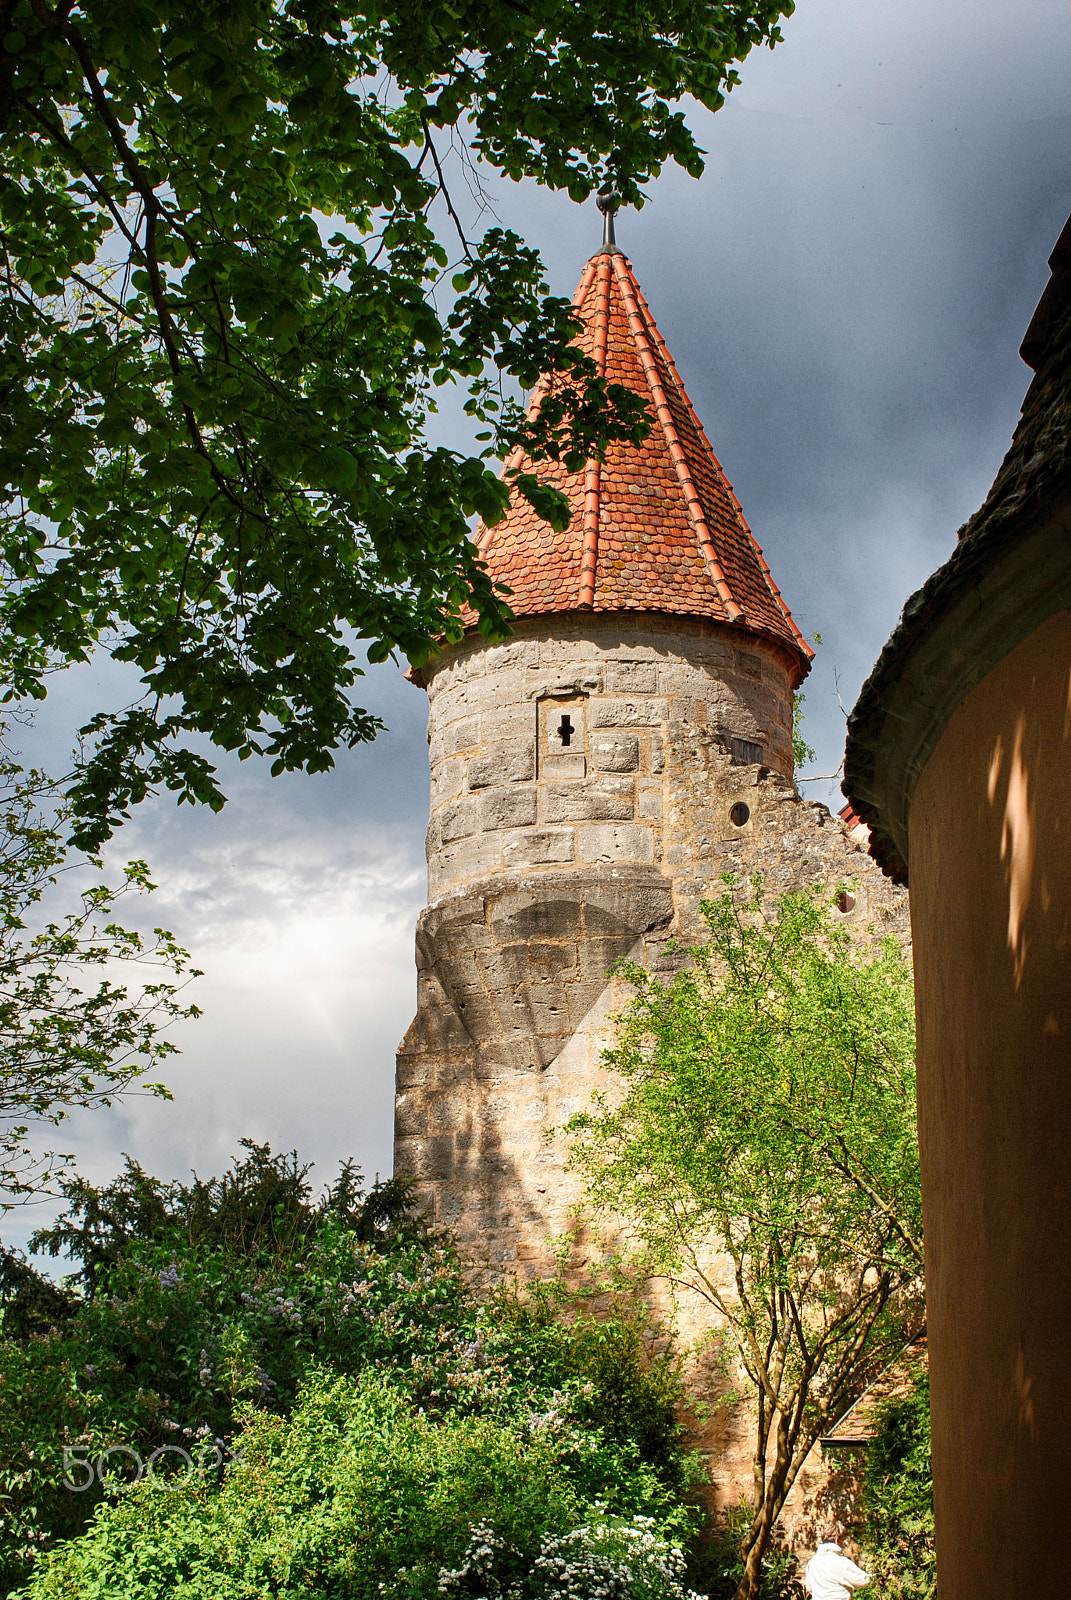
(739, 814)
(845, 902)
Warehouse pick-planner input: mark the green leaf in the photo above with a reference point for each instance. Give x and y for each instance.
(549, 502)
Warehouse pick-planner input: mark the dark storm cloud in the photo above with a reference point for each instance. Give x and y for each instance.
(846, 287)
(298, 901)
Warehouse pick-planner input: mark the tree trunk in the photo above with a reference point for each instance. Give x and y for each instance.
(758, 1540)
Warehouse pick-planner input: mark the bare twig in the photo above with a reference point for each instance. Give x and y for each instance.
(445, 191)
(823, 777)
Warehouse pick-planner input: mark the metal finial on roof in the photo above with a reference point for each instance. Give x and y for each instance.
(608, 204)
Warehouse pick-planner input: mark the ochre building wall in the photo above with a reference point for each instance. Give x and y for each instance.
(990, 872)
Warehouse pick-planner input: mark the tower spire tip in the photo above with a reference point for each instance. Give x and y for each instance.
(608, 204)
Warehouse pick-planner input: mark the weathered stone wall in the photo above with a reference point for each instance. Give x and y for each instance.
(514, 1006)
(550, 750)
(550, 861)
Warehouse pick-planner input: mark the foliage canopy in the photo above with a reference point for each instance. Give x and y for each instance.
(217, 1310)
(360, 1495)
(897, 1498)
(224, 313)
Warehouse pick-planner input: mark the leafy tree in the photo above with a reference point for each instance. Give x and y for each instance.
(29, 1303)
(262, 1206)
(768, 1118)
(204, 1300)
(225, 311)
(61, 1045)
(802, 752)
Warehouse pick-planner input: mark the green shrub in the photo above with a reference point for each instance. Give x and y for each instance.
(617, 1385)
(360, 1494)
(177, 1338)
(897, 1499)
(206, 1305)
(716, 1566)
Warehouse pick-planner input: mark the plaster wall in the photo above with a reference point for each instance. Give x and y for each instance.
(991, 917)
(990, 871)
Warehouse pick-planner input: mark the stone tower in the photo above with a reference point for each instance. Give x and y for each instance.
(591, 779)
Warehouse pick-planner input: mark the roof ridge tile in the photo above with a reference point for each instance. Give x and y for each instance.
(589, 559)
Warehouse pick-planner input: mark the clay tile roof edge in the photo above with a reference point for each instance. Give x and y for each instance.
(692, 502)
(664, 351)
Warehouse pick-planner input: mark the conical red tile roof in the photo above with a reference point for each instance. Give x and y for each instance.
(655, 527)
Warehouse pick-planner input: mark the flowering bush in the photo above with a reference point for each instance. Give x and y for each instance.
(177, 1338)
(187, 1333)
(360, 1495)
(610, 1560)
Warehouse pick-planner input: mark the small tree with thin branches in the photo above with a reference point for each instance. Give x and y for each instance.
(84, 1002)
(765, 1151)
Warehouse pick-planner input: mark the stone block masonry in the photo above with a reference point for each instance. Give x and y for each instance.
(585, 800)
(552, 749)
(539, 882)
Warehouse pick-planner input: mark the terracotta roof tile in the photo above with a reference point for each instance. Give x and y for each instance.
(655, 527)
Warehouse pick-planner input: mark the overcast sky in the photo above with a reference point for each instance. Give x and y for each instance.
(844, 292)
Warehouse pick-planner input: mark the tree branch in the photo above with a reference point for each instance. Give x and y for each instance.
(445, 191)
